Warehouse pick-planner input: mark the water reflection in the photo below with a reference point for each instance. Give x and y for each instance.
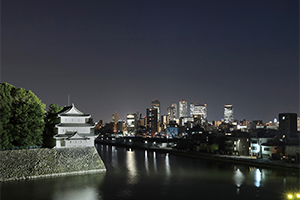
(152, 175)
(257, 179)
(154, 161)
(146, 162)
(131, 166)
(85, 193)
(167, 163)
(114, 157)
(238, 178)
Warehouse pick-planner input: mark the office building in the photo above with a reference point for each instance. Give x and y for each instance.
(182, 108)
(132, 122)
(151, 115)
(198, 110)
(165, 119)
(228, 113)
(171, 110)
(155, 104)
(115, 119)
(174, 106)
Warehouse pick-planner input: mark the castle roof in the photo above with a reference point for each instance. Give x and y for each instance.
(72, 111)
(74, 136)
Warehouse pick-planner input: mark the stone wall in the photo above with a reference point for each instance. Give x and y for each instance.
(33, 163)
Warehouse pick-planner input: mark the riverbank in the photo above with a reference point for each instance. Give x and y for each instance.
(244, 160)
(37, 163)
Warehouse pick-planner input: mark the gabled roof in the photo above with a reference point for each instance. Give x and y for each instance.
(71, 111)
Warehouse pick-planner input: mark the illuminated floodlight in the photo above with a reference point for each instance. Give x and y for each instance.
(298, 195)
(289, 196)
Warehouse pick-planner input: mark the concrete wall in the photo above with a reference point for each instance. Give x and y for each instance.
(34, 163)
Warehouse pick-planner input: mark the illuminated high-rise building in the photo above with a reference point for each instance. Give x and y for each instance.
(132, 122)
(171, 110)
(152, 120)
(199, 110)
(155, 104)
(164, 121)
(174, 106)
(182, 108)
(115, 119)
(228, 113)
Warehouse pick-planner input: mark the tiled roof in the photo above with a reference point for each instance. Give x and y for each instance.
(86, 115)
(75, 125)
(69, 135)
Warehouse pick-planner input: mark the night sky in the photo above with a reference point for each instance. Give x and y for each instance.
(120, 55)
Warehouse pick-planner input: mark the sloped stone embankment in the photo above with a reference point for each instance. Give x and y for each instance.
(34, 163)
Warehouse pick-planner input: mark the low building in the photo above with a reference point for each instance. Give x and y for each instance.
(238, 145)
(292, 152)
(274, 150)
(256, 145)
(73, 129)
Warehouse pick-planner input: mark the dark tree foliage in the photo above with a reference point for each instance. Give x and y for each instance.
(21, 117)
(51, 119)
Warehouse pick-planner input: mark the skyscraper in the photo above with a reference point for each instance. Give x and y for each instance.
(174, 106)
(151, 120)
(199, 110)
(171, 110)
(115, 119)
(155, 104)
(228, 113)
(182, 108)
(132, 122)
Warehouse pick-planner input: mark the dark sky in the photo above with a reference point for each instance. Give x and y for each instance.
(120, 55)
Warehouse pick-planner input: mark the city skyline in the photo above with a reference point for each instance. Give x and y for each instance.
(120, 55)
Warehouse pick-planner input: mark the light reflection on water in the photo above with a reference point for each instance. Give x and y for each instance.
(148, 169)
(131, 166)
(257, 178)
(85, 193)
(138, 174)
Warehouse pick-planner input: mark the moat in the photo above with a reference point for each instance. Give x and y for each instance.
(143, 174)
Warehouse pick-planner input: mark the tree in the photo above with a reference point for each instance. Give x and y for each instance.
(22, 117)
(51, 119)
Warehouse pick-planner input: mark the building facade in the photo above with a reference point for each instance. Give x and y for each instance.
(228, 113)
(152, 124)
(73, 129)
(155, 104)
(115, 119)
(171, 110)
(288, 125)
(198, 110)
(132, 122)
(182, 108)
(174, 108)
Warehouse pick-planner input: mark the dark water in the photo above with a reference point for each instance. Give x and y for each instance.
(138, 174)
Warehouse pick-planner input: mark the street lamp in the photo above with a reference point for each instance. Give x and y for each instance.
(293, 196)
